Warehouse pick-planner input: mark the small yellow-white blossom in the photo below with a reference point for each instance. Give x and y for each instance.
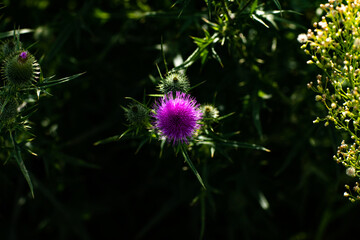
(302, 38)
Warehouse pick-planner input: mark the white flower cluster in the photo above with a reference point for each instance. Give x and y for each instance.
(334, 46)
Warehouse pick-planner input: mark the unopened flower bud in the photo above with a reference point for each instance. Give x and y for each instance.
(351, 171)
(209, 112)
(302, 38)
(20, 69)
(318, 98)
(174, 82)
(137, 115)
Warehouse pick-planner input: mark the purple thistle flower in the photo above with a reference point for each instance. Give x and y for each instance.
(177, 118)
(23, 55)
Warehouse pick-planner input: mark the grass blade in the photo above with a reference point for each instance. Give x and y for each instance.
(277, 4)
(191, 165)
(19, 160)
(155, 95)
(225, 116)
(13, 32)
(196, 85)
(50, 83)
(259, 20)
(233, 144)
(113, 138)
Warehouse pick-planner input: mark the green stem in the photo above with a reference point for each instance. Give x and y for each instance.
(203, 214)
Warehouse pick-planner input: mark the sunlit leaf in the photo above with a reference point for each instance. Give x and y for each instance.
(259, 20)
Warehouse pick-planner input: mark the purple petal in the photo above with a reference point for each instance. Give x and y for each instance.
(23, 55)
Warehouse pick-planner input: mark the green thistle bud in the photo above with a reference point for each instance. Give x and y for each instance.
(209, 112)
(8, 110)
(20, 68)
(174, 82)
(137, 115)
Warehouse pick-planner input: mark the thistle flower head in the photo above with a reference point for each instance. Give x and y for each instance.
(20, 68)
(174, 82)
(176, 118)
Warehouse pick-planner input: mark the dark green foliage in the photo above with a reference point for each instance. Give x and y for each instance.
(84, 191)
(8, 110)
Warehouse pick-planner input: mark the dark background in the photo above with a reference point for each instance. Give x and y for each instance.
(84, 191)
